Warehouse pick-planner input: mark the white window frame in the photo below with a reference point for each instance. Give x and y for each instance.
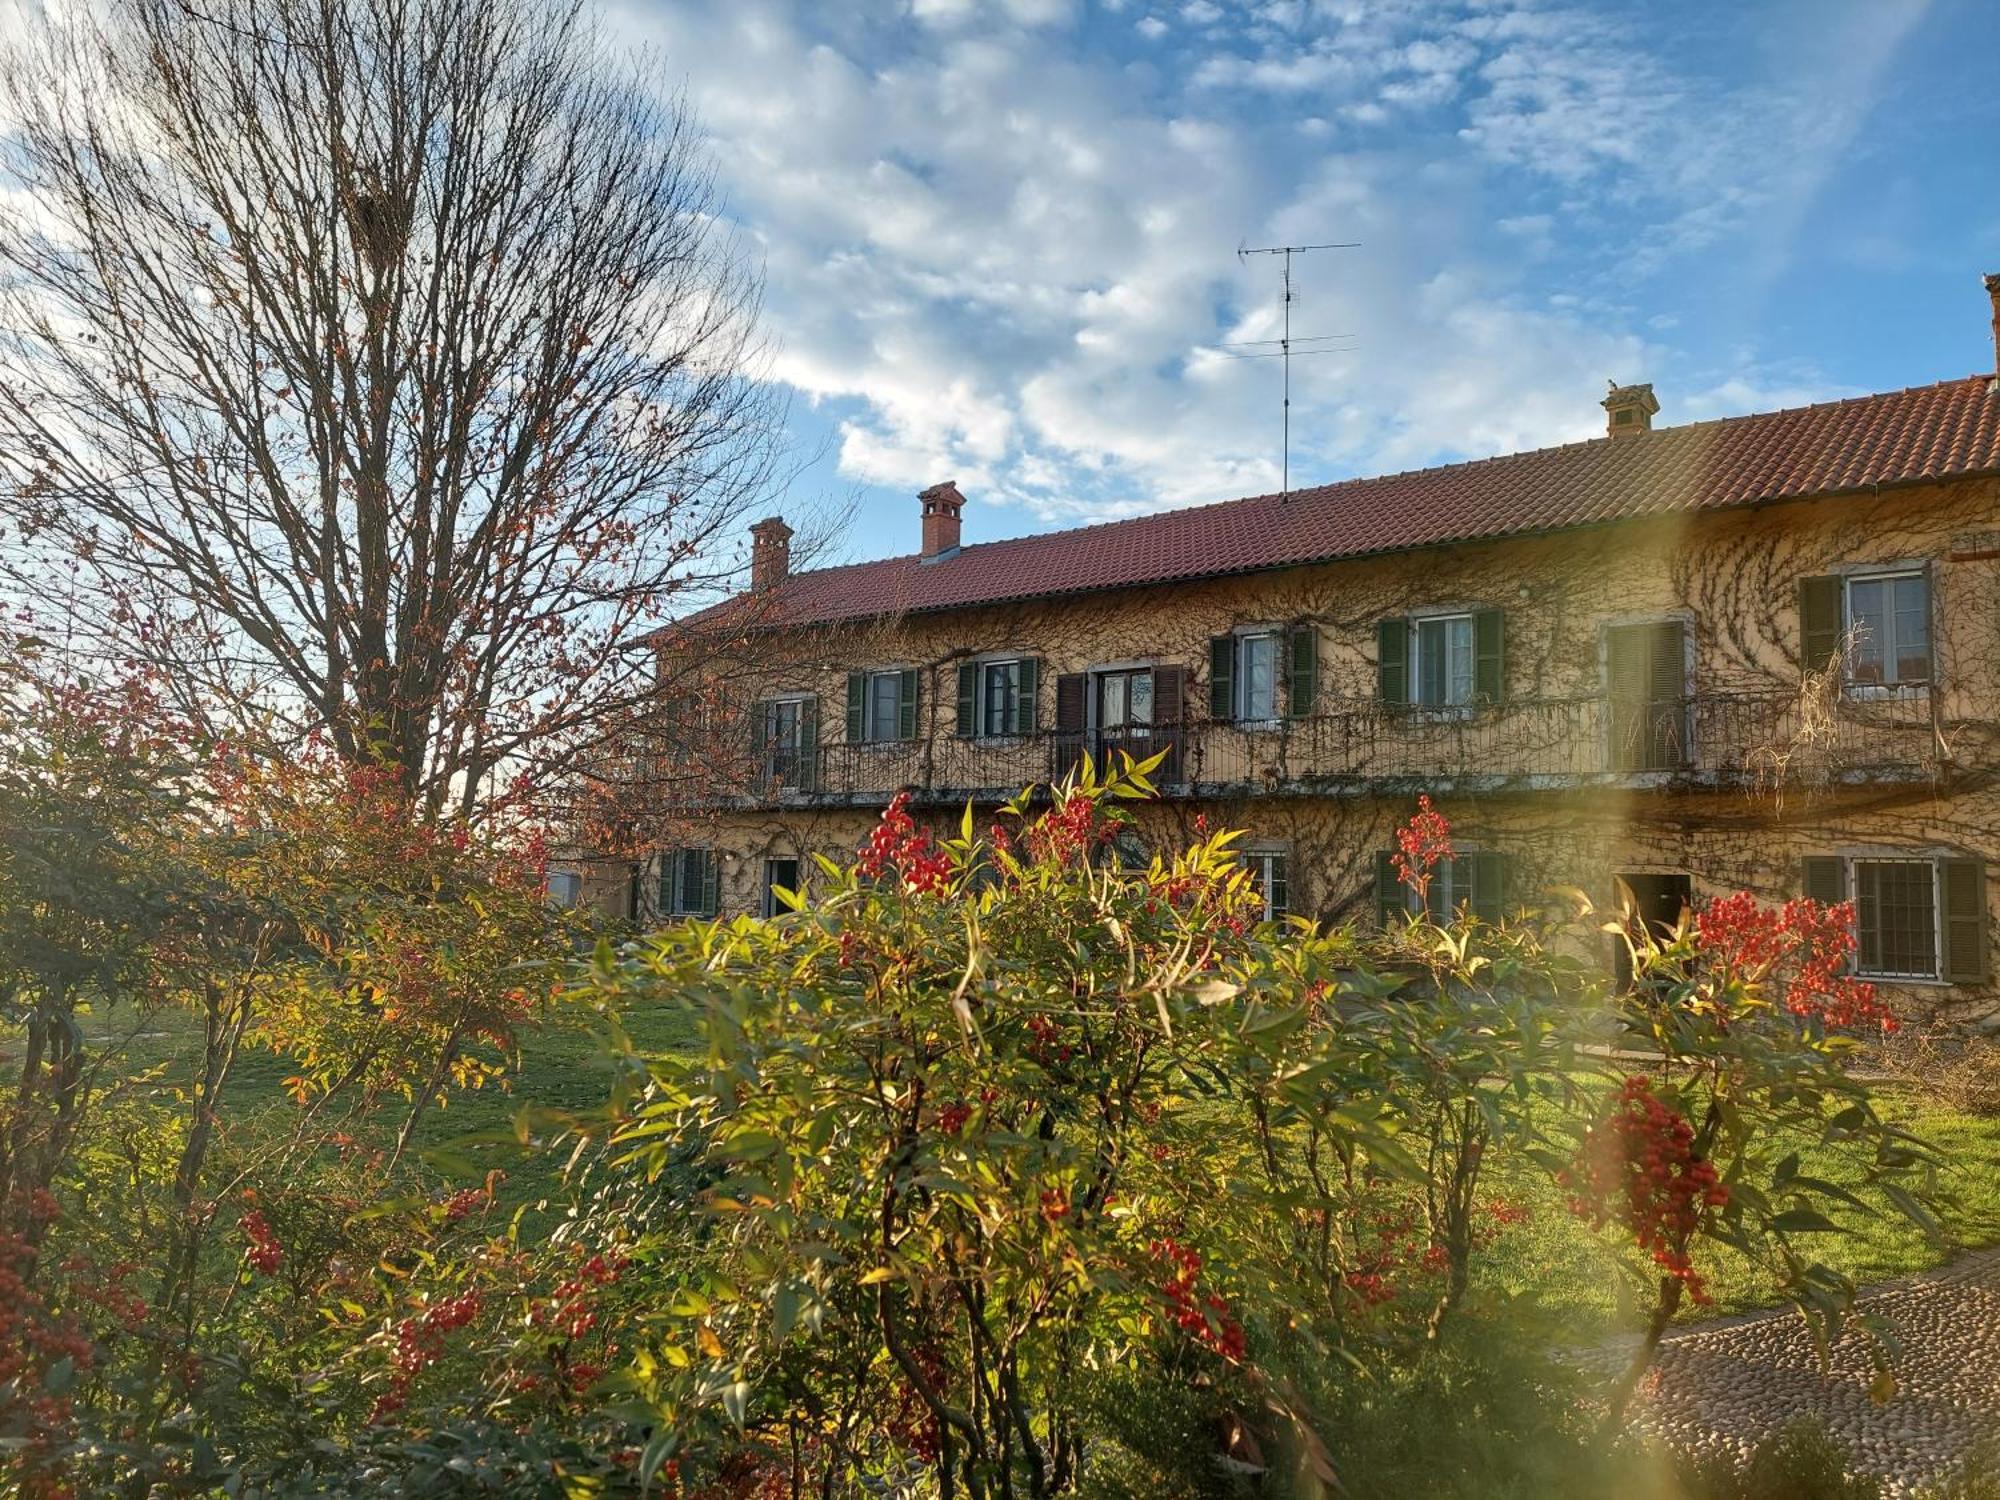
(675, 905)
(982, 726)
(868, 726)
(1853, 876)
(1260, 857)
(1245, 715)
(1888, 575)
(1444, 617)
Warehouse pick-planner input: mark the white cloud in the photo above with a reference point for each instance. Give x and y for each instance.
(1003, 256)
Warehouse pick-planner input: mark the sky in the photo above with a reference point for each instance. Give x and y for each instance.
(1000, 237)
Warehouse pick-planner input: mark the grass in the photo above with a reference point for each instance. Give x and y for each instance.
(1550, 1256)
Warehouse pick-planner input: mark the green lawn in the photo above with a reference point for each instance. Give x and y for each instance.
(1551, 1256)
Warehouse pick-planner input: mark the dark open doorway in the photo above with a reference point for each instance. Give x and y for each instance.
(1657, 901)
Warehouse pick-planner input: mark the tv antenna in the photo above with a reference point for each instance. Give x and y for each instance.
(1325, 343)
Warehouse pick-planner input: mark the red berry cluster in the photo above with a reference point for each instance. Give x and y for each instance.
(265, 1254)
(33, 1336)
(898, 845)
(1638, 1164)
(1048, 1048)
(567, 1311)
(1420, 844)
(1203, 1316)
(419, 1341)
(1746, 940)
(1067, 831)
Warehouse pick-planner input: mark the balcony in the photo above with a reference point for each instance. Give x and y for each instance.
(1725, 740)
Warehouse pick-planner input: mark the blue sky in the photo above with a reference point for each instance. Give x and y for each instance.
(999, 236)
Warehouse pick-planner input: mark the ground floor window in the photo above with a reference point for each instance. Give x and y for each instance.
(565, 888)
(1896, 910)
(1270, 878)
(1472, 880)
(779, 875)
(688, 883)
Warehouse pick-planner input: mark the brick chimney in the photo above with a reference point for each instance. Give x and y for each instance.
(770, 553)
(1629, 410)
(942, 503)
(1993, 291)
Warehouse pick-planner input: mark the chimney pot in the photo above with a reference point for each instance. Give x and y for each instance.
(770, 553)
(942, 503)
(1993, 291)
(1629, 410)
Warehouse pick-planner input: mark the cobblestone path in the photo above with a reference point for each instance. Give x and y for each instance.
(1728, 1383)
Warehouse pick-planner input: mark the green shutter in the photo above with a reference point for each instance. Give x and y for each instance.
(1489, 655)
(1222, 678)
(709, 882)
(1963, 884)
(805, 775)
(1302, 691)
(1820, 621)
(1486, 895)
(1031, 689)
(1392, 662)
(760, 739)
(906, 703)
(1823, 878)
(669, 866)
(1392, 897)
(857, 699)
(1279, 893)
(968, 700)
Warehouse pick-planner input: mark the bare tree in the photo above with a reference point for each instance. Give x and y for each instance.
(380, 366)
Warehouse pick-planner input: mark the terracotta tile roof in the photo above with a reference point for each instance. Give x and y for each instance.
(1900, 437)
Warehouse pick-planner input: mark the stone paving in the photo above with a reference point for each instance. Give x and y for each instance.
(1729, 1382)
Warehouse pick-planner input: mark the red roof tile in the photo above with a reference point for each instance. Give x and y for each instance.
(1929, 432)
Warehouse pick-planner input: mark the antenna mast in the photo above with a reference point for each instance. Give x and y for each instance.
(1285, 343)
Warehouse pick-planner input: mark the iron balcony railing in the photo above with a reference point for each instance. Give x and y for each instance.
(1776, 738)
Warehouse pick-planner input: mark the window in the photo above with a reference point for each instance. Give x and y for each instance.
(881, 707)
(1256, 677)
(1896, 908)
(1889, 615)
(1268, 878)
(779, 875)
(565, 888)
(688, 883)
(1444, 661)
(787, 731)
(1473, 880)
(1125, 701)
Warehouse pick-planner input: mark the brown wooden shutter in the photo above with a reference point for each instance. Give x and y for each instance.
(1668, 672)
(1222, 678)
(968, 699)
(1302, 690)
(1071, 691)
(1823, 878)
(1962, 883)
(1821, 622)
(1392, 662)
(1169, 709)
(1489, 655)
(1392, 897)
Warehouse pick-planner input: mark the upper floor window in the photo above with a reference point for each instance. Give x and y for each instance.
(1246, 667)
(881, 706)
(997, 698)
(1890, 617)
(1451, 660)
(1444, 662)
(1878, 623)
(785, 733)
